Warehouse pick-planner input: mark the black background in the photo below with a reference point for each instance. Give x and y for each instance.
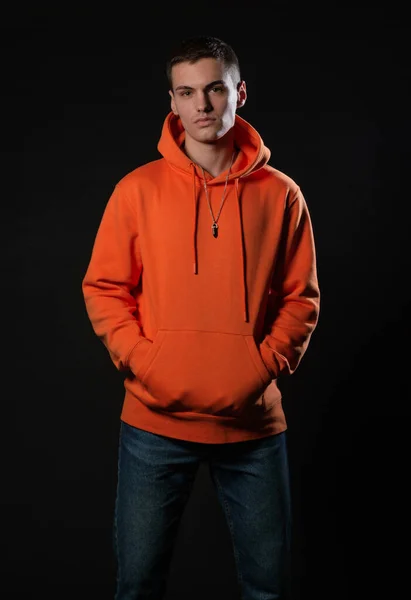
(84, 98)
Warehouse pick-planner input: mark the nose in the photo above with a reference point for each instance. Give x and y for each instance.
(203, 102)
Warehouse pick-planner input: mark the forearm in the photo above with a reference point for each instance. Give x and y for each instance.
(294, 309)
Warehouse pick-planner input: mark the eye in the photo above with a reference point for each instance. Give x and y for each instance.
(218, 88)
(185, 93)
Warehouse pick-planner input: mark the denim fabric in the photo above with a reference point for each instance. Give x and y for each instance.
(155, 477)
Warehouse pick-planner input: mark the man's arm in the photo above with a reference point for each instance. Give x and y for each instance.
(294, 302)
(113, 272)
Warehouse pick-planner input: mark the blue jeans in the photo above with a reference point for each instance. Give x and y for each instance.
(155, 478)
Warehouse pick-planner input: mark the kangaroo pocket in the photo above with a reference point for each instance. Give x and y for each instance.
(204, 372)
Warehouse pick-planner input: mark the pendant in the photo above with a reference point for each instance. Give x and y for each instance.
(214, 229)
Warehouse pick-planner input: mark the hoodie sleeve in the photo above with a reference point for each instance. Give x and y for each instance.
(294, 300)
(113, 272)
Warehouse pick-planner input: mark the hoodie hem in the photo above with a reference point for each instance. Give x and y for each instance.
(202, 428)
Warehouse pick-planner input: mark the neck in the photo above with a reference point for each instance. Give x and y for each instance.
(213, 157)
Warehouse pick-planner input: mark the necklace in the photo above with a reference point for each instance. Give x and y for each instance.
(214, 226)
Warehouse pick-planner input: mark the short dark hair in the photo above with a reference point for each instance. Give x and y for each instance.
(193, 49)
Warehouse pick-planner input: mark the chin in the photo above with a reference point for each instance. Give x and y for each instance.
(207, 137)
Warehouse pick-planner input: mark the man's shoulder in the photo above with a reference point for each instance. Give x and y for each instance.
(280, 178)
(146, 173)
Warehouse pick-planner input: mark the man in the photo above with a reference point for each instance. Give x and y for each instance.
(202, 285)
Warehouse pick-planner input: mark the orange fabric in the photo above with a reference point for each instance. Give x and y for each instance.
(201, 326)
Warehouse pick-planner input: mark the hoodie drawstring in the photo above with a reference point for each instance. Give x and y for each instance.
(243, 265)
(195, 195)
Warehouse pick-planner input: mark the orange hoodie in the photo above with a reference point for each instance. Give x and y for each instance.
(204, 326)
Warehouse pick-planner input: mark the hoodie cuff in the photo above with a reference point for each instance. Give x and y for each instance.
(138, 354)
(267, 356)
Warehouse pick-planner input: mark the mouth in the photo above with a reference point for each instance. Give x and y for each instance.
(204, 121)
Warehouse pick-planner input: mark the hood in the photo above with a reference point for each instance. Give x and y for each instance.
(252, 156)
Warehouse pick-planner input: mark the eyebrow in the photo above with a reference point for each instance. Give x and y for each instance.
(208, 86)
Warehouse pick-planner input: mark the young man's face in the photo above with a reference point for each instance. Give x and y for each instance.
(206, 97)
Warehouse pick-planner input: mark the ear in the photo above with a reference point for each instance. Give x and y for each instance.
(173, 103)
(241, 94)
